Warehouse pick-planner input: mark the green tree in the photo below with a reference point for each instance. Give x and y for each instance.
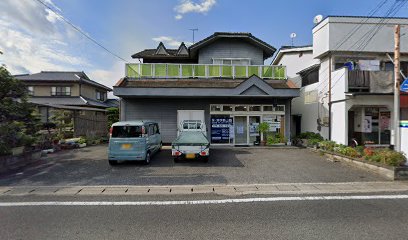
(63, 122)
(19, 122)
(113, 115)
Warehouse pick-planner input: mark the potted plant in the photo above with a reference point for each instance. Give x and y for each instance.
(82, 142)
(264, 129)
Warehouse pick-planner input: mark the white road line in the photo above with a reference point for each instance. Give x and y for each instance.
(200, 202)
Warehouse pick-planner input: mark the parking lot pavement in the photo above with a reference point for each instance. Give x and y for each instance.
(89, 166)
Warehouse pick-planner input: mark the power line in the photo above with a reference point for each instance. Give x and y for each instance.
(357, 27)
(80, 31)
(392, 13)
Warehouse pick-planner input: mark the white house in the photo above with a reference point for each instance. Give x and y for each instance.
(347, 80)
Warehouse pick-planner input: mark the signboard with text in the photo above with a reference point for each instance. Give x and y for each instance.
(220, 129)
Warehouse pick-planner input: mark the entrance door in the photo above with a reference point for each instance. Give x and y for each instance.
(254, 136)
(241, 130)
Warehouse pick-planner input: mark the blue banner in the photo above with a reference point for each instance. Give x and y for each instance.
(220, 129)
(404, 86)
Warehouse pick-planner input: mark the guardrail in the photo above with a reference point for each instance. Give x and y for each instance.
(163, 70)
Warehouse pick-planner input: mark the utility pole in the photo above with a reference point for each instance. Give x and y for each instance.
(193, 30)
(330, 97)
(397, 76)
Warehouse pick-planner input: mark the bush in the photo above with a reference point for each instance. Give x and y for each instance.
(273, 140)
(82, 140)
(310, 135)
(350, 152)
(328, 145)
(387, 156)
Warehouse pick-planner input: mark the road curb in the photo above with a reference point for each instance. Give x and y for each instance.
(230, 190)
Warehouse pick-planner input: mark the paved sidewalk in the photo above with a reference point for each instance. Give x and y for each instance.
(282, 188)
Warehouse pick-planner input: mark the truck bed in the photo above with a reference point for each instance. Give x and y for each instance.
(191, 138)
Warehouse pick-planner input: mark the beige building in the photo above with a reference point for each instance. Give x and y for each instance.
(73, 91)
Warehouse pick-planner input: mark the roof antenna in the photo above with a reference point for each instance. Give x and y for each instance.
(193, 30)
(293, 36)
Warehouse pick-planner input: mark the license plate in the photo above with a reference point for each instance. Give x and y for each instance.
(126, 146)
(190, 155)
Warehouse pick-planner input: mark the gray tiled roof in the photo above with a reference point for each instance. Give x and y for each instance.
(74, 101)
(172, 53)
(95, 103)
(112, 102)
(71, 101)
(61, 76)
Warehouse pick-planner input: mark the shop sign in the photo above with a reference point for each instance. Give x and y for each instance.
(404, 86)
(368, 124)
(221, 128)
(274, 125)
(253, 129)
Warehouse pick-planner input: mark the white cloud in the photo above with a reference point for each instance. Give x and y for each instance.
(23, 53)
(188, 6)
(33, 39)
(170, 41)
(108, 77)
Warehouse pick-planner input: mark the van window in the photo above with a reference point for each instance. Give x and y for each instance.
(151, 130)
(126, 131)
(156, 129)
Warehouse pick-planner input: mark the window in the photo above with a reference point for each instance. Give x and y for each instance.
(30, 90)
(310, 77)
(268, 108)
(241, 108)
(61, 91)
(156, 129)
(126, 131)
(216, 108)
(280, 108)
(151, 130)
(232, 61)
(255, 108)
(227, 108)
(100, 96)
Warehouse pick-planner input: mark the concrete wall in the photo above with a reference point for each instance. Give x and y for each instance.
(230, 48)
(165, 111)
(334, 30)
(339, 123)
(296, 62)
(90, 91)
(404, 140)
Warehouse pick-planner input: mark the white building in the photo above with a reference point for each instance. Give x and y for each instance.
(348, 74)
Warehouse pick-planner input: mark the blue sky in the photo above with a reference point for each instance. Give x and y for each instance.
(34, 39)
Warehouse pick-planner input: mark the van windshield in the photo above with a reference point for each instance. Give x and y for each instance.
(127, 131)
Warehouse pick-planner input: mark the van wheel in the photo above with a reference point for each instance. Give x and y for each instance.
(205, 159)
(113, 162)
(176, 160)
(160, 147)
(147, 160)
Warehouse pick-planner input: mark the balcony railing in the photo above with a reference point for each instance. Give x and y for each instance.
(159, 70)
(370, 81)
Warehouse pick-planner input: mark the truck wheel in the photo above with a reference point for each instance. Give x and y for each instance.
(147, 160)
(113, 162)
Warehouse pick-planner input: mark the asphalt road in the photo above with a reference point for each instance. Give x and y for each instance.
(89, 166)
(318, 219)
